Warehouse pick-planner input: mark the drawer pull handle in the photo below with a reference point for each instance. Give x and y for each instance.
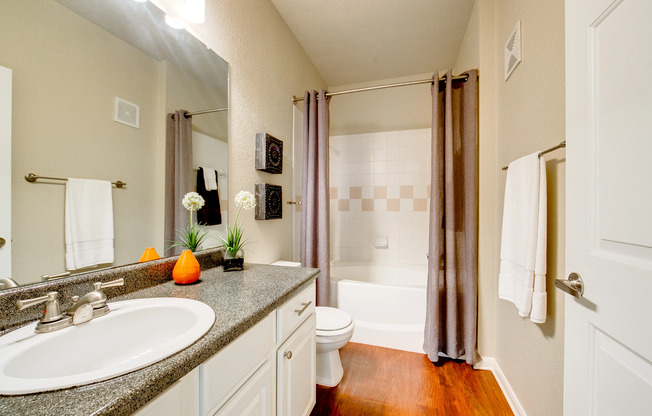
(288, 355)
(302, 310)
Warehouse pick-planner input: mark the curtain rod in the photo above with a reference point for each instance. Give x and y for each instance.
(463, 77)
(195, 113)
(543, 152)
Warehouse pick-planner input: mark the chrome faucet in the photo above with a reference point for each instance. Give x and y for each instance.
(91, 305)
(7, 283)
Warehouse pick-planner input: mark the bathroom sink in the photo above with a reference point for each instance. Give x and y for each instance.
(135, 334)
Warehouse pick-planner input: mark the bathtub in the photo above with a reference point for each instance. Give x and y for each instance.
(388, 303)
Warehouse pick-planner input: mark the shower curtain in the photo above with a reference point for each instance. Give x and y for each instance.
(178, 175)
(452, 288)
(314, 243)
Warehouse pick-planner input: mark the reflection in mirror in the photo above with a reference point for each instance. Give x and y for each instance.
(71, 61)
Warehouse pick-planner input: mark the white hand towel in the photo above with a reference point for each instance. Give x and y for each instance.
(88, 223)
(210, 181)
(522, 278)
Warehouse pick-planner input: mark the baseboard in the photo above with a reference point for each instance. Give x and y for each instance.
(489, 363)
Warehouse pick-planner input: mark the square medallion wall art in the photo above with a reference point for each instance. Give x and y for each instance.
(269, 153)
(269, 201)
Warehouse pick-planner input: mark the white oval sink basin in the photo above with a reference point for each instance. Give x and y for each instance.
(135, 334)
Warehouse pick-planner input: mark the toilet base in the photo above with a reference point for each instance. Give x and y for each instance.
(329, 368)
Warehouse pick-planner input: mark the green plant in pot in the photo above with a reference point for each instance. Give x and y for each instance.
(192, 236)
(234, 243)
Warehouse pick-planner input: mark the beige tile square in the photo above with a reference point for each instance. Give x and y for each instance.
(355, 192)
(333, 193)
(380, 192)
(420, 204)
(367, 204)
(393, 204)
(342, 204)
(407, 191)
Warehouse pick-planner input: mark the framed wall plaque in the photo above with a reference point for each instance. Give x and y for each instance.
(269, 153)
(269, 201)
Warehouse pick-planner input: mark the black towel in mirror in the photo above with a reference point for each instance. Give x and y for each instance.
(211, 213)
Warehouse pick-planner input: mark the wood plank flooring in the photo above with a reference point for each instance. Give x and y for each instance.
(382, 381)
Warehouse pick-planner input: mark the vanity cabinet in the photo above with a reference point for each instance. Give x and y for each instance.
(180, 399)
(296, 372)
(296, 355)
(269, 370)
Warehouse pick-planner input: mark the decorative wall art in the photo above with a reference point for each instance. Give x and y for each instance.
(269, 201)
(269, 153)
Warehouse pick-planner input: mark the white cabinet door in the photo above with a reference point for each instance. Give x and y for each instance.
(608, 333)
(5, 172)
(180, 399)
(297, 372)
(255, 398)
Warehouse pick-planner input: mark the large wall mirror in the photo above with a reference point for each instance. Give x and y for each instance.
(70, 60)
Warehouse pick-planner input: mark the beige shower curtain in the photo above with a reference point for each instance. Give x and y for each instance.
(315, 242)
(178, 175)
(452, 288)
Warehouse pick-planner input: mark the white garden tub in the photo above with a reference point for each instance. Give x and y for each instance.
(388, 303)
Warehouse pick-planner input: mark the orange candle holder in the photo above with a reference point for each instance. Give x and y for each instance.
(148, 255)
(186, 270)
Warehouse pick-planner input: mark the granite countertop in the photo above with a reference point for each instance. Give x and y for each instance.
(239, 299)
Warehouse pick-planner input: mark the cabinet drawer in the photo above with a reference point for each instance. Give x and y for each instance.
(224, 373)
(294, 312)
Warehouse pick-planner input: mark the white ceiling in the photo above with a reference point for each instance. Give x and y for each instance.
(353, 41)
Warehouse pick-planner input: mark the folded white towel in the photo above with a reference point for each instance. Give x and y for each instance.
(210, 180)
(88, 223)
(522, 278)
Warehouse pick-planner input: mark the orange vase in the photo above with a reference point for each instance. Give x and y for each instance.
(187, 269)
(149, 254)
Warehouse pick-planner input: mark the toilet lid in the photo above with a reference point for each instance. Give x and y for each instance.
(331, 319)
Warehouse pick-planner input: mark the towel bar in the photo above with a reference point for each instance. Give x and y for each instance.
(32, 177)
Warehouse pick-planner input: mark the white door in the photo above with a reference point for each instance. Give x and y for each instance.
(5, 172)
(608, 332)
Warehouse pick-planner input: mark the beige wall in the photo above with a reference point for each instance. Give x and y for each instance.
(63, 126)
(468, 57)
(267, 67)
(473, 54)
(518, 117)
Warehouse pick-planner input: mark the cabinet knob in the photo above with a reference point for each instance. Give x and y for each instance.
(288, 355)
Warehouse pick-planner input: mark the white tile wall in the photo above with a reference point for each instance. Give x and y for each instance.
(386, 159)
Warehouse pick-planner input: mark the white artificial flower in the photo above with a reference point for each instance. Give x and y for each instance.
(245, 199)
(192, 201)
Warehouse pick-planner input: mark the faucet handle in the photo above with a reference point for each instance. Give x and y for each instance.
(52, 310)
(117, 282)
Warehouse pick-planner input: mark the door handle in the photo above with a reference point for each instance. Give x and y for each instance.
(2, 242)
(574, 285)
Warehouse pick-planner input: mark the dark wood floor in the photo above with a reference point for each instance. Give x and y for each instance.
(382, 381)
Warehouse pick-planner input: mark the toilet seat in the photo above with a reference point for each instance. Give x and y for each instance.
(332, 322)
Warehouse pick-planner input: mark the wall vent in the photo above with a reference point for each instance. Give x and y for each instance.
(513, 51)
(127, 113)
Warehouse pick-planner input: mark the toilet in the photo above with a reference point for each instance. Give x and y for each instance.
(334, 330)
